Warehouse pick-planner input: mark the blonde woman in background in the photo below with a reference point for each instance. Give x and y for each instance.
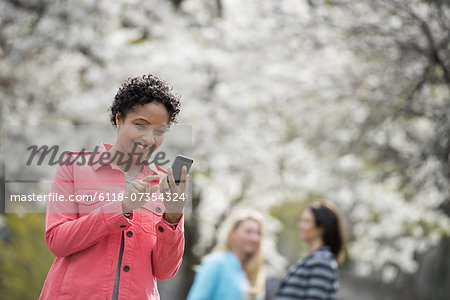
(236, 272)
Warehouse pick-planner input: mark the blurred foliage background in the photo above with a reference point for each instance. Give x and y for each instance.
(24, 257)
(289, 100)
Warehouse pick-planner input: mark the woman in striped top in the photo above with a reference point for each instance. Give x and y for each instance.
(316, 275)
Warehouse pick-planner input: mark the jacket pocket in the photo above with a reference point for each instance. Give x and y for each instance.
(147, 237)
(89, 200)
(147, 223)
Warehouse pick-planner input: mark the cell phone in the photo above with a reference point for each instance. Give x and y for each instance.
(178, 164)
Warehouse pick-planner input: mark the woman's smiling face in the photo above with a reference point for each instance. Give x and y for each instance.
(307, 227)
(246, 236)
(142, 129)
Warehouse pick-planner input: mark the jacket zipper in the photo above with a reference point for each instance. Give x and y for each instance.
(119, 264)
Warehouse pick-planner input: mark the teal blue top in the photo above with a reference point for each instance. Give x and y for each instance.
(220, 277)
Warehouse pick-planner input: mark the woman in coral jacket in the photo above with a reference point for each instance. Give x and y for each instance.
(109, 241)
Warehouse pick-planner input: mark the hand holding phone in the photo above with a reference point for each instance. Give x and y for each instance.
(175, 187)
(177, 166)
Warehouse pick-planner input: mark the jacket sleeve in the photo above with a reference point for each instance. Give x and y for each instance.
(168, 251)
(66, 232)
(205, 280)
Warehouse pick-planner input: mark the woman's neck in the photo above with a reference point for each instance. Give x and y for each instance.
(131, 168)
(315, 245)
(243, 258)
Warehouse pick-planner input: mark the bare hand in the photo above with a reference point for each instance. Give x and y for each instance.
(175, 195)
(138, 193)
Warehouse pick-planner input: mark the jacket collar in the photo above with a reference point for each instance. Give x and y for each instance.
(103, 147)
(324, 250)
(233, 260)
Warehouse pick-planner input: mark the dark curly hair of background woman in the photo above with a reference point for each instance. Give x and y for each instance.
(140, 91)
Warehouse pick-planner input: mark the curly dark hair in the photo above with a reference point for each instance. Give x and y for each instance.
(139, 91)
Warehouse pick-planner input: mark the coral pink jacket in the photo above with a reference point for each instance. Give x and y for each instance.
(85, 236)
